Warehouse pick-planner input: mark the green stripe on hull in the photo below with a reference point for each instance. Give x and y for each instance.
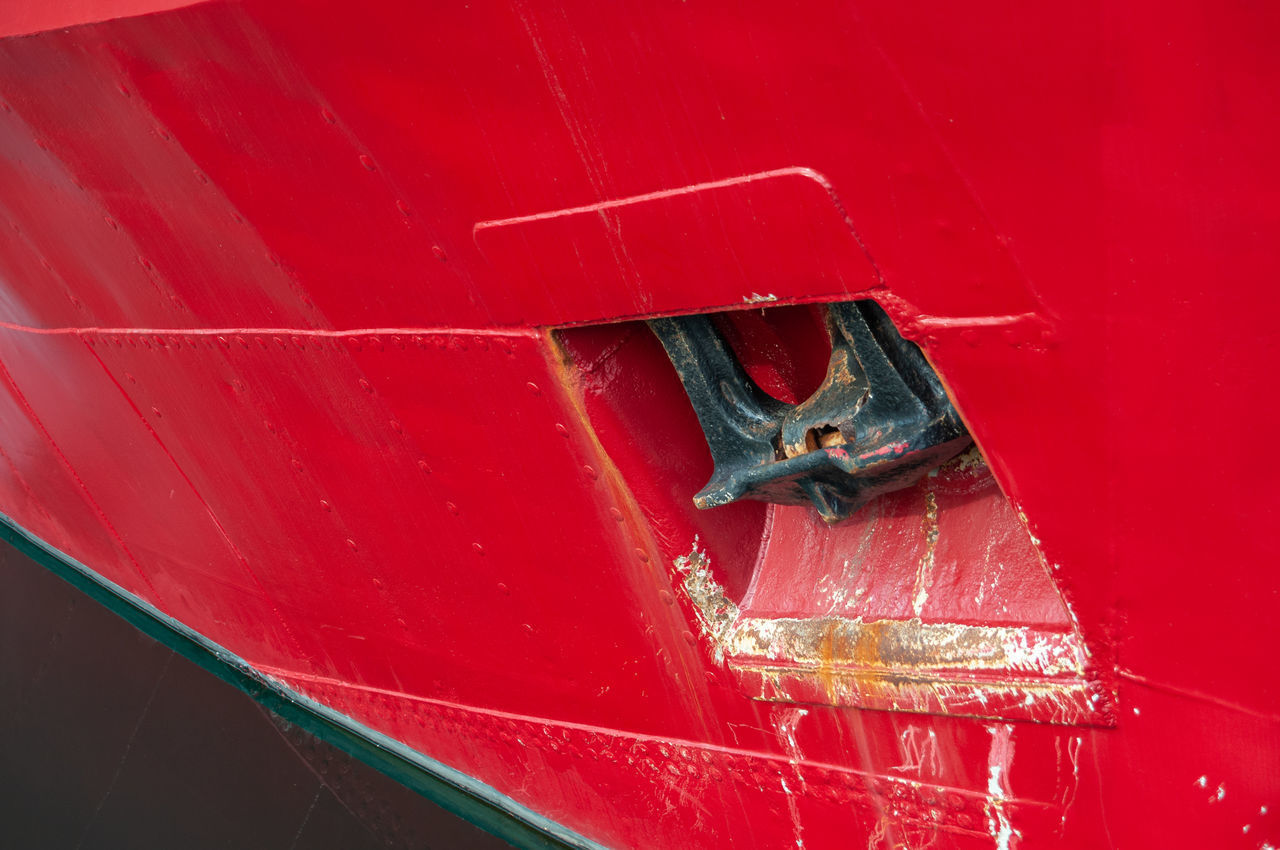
(449, 788)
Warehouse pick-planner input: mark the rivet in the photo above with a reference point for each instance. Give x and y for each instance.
(367, 162)
(478, 548)
(328, 116)
(325, 506)
(403, 207)
(503, 589)
(590, 472)
(351, 544)
(451, 508)
(396, 426)
(156, 411)
(297, 464)
(561, 430)
(664, 595)
(644, 557)
(438, 253)
(365, 385)
(616, 514)
(422, 465)
(533, 388)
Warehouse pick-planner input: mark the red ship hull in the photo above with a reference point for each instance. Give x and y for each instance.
(321, 337)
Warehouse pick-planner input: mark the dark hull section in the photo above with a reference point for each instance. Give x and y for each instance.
(114, 738)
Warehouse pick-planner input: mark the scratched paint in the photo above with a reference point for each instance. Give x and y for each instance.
(906, 665)
(999, 762)
(929, 526)
(785, 722)
(1044, 240)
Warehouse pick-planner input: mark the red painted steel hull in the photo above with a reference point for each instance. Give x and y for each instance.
(279, 283)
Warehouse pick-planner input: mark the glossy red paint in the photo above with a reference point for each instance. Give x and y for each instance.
(277, 284)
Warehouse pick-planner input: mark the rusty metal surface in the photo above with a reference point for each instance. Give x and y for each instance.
(835, 625)
(879, 420)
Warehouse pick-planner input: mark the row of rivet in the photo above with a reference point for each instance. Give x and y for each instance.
(912, 801)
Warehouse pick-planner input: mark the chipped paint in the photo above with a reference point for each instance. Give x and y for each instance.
(794, 811)
(919, 752)
(999, 760)
(785, 723)
(757, 298)
(929, 525)
(716, 612)
(903, 645)
(970, 458)
(1069, 792)
(906, 665)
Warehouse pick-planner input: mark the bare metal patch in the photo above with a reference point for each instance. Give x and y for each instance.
(998, 672)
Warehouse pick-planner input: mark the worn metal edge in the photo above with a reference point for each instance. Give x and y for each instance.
(909, 647)
(1007, 672)
(1061, 703)
(451, 789)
